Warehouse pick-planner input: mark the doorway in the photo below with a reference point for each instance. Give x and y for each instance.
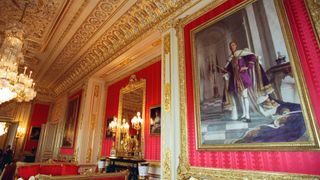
(8, 138)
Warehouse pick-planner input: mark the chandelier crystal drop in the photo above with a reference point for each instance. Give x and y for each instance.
(12, 84)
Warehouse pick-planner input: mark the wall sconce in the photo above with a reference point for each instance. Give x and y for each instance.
(113, 127)
(20, 132)
(124, 127)
(136, 122)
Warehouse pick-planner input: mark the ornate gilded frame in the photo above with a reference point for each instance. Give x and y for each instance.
(314, 13)
(134, 84)
(185, 169)
(152, 111)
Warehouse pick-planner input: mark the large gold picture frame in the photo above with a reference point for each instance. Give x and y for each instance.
(185, 169)
(263, 129)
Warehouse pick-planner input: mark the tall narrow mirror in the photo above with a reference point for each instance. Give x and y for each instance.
(130, 134)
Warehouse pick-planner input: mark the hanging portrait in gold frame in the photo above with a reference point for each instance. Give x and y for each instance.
(248, 90)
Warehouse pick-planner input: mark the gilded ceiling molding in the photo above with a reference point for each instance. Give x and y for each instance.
(45, 91)
(314, 11)
(40, 19)
(143, 18)
(73, 20)
(100, 15)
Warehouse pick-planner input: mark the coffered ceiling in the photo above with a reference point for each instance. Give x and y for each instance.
(68, 40)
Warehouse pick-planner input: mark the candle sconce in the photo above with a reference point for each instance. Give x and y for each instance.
(113, 127)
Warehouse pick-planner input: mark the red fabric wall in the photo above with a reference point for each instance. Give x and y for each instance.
(152, 74)
(39, 116)
(294, 162)
(70, 151)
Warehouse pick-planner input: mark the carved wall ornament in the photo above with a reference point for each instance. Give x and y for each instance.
(167, 164)
(88, 155)
(167, 72)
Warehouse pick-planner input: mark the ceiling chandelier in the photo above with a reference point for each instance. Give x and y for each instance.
(12, 84)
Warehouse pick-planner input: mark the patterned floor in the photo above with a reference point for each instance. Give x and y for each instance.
(226, 132)
(218, 128)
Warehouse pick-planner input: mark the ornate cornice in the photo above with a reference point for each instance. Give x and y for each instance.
(73, 20)
(140, 20)
(39, 19)
(100, 15)
(45, 91)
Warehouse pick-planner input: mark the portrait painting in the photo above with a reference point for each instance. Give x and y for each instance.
(246, 91)
(155, 120)
(71, 121)
(35, 133)
(108, 130)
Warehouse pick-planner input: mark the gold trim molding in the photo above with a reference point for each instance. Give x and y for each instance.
(227, 174)
(314, 13)
(167, 97)
(167, 72)
(167, 164)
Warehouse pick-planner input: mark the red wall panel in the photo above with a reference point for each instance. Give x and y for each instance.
(152, 74)
(294, 162)
(39, 116)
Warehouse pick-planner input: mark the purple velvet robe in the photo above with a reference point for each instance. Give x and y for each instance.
(240, 80)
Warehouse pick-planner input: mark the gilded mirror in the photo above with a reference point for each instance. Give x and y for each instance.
(130, 134)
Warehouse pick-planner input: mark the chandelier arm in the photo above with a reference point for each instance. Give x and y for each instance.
(24, 11)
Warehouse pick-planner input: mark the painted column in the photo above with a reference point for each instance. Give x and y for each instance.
(89, 135)
(274, 26)
(170, 130)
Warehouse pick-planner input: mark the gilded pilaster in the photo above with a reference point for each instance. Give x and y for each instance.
(170, 99)
(167, 75)
(167, 165)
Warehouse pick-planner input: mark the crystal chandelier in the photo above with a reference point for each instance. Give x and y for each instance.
(12, 84)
